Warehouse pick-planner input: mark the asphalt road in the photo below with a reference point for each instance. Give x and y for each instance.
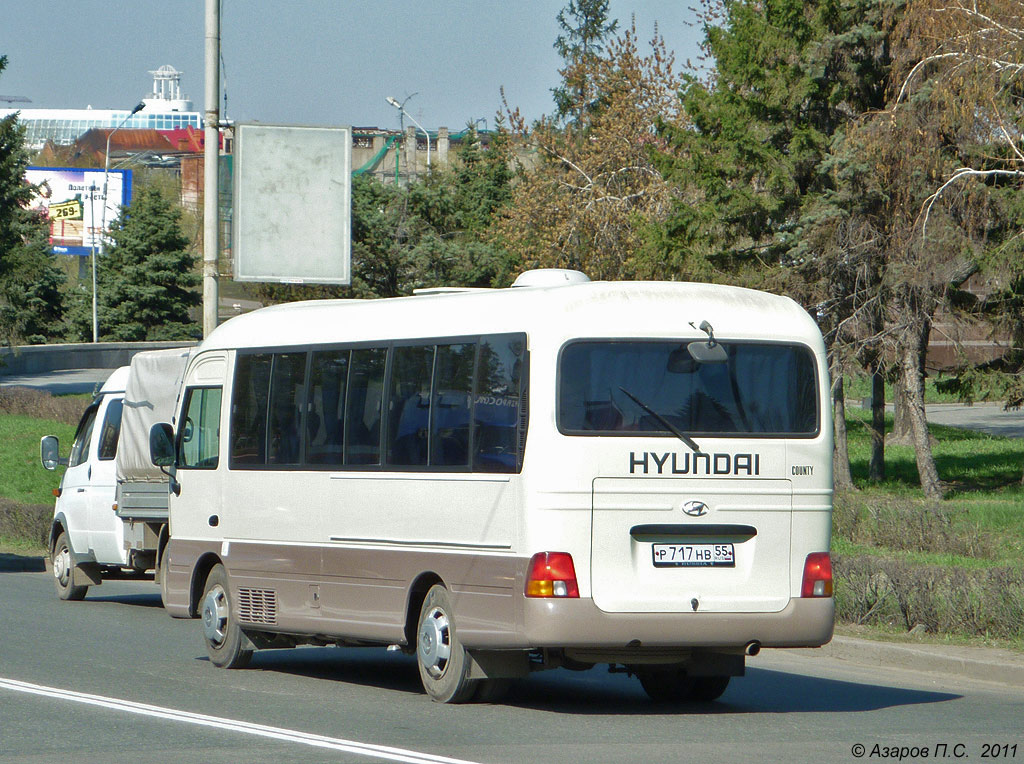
(986, 417)
(145, 678)
(62, 382)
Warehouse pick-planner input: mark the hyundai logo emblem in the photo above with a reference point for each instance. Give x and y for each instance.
(695, 508)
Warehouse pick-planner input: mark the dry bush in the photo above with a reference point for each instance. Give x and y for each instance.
(954, 600)
(38, 404)
(28, 523)
(903, 524)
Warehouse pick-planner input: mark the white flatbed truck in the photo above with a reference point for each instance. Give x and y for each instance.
(110, 514)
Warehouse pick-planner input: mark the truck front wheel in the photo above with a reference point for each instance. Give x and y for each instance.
(64, 570)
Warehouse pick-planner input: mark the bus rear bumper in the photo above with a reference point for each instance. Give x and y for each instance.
(580, 623)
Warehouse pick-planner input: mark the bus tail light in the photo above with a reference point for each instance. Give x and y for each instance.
(817, 575)
(552, 574)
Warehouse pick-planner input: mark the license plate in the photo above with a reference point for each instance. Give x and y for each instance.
(693, 555)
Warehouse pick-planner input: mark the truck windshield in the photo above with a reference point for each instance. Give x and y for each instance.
(761, 389)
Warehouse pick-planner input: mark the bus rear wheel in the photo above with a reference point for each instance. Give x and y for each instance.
(665, 684)
(443, 662)
(225, 643)
(708, 688)
(672, 685)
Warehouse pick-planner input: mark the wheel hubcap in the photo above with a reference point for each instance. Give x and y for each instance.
(434, 642)
(215, 615)
(62, 566)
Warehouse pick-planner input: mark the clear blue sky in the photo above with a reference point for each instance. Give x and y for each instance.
(310, 61)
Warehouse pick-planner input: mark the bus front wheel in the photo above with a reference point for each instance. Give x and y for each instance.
(225, 642)
(443, 662)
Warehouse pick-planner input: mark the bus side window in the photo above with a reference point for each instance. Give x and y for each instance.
(287, 388)
(409, 405)
(363, 407)
(249, 398)
(451, 404)
(328, 378)
(496, 405)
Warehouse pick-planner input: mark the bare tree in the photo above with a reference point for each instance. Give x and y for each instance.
(584, 203)
(959, 76)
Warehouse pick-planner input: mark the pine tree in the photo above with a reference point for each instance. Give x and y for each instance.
(147, 283)
(585, 27)
(31, 307)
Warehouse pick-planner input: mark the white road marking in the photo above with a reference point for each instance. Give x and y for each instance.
(247, 728)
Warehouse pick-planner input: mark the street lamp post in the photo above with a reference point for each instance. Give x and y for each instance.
(103, 218)
(394, 102)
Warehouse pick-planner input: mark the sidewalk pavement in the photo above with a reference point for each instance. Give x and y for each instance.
(986, 664)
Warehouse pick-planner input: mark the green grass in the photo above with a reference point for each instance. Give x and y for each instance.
(22, 477)
(842, 546)
(857, 388)
(21, 547)
(973, 465)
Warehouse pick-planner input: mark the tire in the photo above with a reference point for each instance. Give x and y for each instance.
(226, 645)
(161, 579)
(665, 684)
(64, 570)
(708, 688)
(443, 662)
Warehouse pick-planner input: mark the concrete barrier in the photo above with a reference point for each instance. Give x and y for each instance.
(39, 359)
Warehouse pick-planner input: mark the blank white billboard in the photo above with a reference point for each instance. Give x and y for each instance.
(293, 204)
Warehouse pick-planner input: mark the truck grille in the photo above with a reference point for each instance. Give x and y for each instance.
(257, 606)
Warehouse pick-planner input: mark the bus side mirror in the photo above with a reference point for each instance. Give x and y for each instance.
(49, 452)
(161, 445)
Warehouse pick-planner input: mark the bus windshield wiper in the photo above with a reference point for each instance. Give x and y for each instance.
(663, 421)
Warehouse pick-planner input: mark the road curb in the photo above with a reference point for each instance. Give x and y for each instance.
(986, 664)
(16, 563)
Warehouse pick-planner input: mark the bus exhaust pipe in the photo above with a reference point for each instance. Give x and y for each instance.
(753, 648)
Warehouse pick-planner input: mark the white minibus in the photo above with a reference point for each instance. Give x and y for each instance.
(559, 474)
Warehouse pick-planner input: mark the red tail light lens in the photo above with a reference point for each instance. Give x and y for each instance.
(552, 574)
(817, 575)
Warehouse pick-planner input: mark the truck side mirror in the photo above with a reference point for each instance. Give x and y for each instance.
(161, 445)
(49, 452)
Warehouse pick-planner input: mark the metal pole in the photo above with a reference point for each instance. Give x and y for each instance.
(211, 216)
(92, 219)
(403, 113)
(423, 131)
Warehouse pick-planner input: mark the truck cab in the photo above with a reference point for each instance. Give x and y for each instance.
(86, 529)
(110, 516)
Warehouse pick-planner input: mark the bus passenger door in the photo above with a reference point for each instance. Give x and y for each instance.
(196, 510)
